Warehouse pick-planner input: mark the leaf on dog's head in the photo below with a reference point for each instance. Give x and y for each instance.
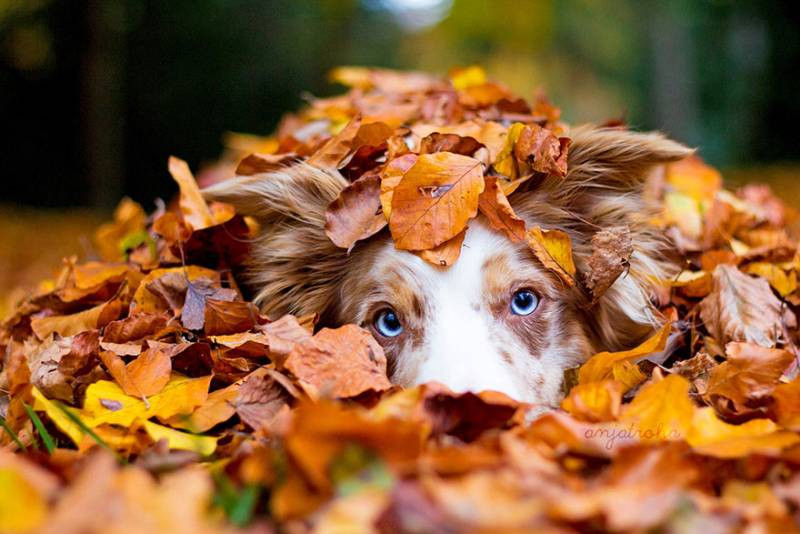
(541, 151)
(193, 206)
(611, 254)
(331, 154)
(494, 205)
(446, 254)
(554, 249)
(449, 142)
(434, 200)
(391, 175)
(356, 213)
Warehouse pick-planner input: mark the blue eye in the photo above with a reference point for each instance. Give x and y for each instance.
(524, 302)
(387, 323)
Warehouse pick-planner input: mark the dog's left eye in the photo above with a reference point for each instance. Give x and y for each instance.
(387, 323)
(524, 302)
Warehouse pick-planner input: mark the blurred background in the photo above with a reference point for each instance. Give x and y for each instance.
(95, 95)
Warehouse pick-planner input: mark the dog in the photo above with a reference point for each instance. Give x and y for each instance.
(496, 319)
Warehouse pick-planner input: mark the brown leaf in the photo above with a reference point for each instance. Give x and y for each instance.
(82, 355)
(611, 254)
(260, 400)
(434, 200)
(134, 328)
(449, 142)
(494, 205)
(331, 154)
(226, 317)
(282, 337)
(391, 175)
(356, 213)
(69, 325)
(741, 308)
(344, 362)
(542, 151)
(258, 163)
(746, 378)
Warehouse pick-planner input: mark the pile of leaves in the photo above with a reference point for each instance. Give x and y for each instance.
(141, 391)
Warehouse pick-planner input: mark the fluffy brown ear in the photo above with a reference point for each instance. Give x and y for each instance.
(293, 265)
(607, 168)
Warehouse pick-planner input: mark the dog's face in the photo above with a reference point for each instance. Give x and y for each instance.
(496, 319)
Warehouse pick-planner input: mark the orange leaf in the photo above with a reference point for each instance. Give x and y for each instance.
(445, 254)
(344, 362)
(599, 367)
(146, 375)
(494, 205)
(434, 200)
(391, 176)
(595, 401)
(193, 205)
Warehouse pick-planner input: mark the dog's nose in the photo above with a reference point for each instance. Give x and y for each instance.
(461, 354)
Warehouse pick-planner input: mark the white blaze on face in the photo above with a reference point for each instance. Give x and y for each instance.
(458, 347)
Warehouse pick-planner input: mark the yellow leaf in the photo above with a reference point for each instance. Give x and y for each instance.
(69, 325)
(595, 401)
(61, 420)
(217, 408)
(661, 411)
(107, 403)
(193, 205)
(554, 249)
(627, 374)
(599, 367)
(684, 212)
(505, 163)
(713, 437)
(783, 283)
(22, 507)
(467, 77)
(202, 445)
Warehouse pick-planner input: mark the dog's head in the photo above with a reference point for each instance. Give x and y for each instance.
(497, 319)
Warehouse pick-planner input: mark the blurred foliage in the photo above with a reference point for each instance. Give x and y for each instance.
(96, 95)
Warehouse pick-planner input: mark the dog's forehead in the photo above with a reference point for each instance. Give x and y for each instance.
(482, 249)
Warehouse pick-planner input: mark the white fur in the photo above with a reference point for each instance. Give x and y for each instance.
(462, 339)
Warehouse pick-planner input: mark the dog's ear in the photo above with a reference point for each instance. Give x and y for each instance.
(294, 267)
(606, 172)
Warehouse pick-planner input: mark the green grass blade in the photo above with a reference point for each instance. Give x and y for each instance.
(84, 428)
(13, 435)
(47, 439)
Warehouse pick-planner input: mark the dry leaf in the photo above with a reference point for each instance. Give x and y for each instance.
(741, 308)
(445, 254)
(344, 362)
(599, 367)
(356, 212)
(554, 249)
(494, 205)
(434, 200)
(193, 206)
(611, 254)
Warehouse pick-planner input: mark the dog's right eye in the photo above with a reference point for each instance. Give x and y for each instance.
(387, 323)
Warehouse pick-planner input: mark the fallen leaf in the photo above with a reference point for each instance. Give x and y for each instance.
(180, 396)
(331, 154)
(741, 308)
(202, 445)
(258, 163)
(144, 376)
(434, 200)
(193, 206)
(391, 175)
(712, 437)
(339, 363)
(594, 401)
(661, 411)
(611, 254)
(356, 213)
(599, 366)
(746, 378)
(554, 249)
(260, 400)
(226, 317)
